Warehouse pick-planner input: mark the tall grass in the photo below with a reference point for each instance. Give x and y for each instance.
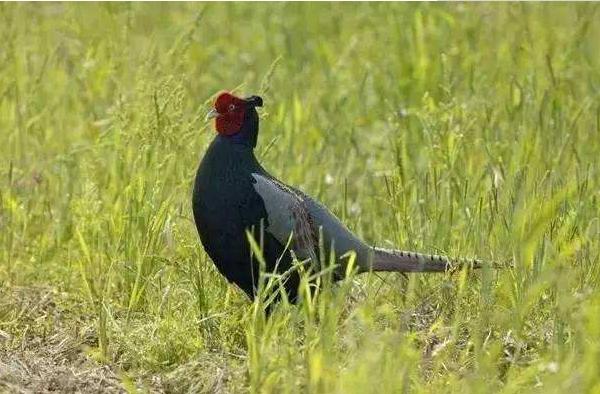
(464, 129)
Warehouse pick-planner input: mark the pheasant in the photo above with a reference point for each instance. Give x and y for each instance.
(234, 196)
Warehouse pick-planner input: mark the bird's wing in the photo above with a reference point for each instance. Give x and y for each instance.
(290, 210)
(337, 238)
(287, 216)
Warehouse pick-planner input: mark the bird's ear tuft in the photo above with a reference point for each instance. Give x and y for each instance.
(255, 101)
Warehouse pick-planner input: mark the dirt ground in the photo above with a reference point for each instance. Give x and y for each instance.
(47, 342)
(42, 351)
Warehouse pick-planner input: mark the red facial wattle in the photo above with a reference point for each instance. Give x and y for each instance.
(231, 111)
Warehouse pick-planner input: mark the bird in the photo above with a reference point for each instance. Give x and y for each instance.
(235, 200)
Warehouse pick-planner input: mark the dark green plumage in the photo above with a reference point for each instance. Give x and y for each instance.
(225, 204)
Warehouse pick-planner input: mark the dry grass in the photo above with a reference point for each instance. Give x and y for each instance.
(49, 355)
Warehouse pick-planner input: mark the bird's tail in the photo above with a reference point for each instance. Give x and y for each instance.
(403, 261)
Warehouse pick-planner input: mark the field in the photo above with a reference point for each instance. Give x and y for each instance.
(471, 130)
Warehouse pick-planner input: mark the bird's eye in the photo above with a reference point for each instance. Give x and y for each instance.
(231, 107)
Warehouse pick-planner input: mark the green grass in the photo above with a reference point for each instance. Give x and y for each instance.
(464, 129)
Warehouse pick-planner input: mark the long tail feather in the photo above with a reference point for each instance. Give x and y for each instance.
(403, 261)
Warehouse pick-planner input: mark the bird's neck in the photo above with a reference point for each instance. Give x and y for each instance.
(248, 134)
(239, 140)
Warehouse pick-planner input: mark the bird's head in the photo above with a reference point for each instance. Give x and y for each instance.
(236, 117)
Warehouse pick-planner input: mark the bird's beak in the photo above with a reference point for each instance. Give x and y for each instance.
(211, 114)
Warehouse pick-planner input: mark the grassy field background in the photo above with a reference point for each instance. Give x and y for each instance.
(464, 129)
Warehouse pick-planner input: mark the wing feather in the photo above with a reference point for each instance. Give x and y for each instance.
(291, 210)
(287, 215)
